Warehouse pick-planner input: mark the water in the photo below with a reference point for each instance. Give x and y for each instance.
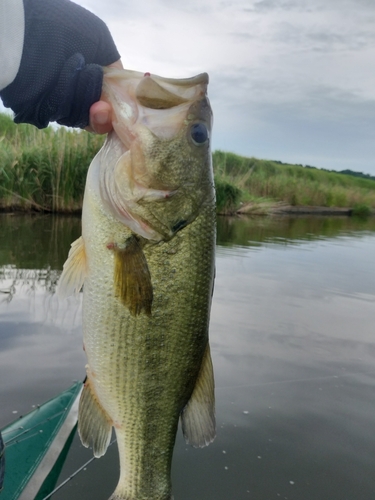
(293, 345)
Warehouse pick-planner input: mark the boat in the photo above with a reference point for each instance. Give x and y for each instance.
(2, 462)
(34, 447)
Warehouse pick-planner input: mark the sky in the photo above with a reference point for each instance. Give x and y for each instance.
(290, 80)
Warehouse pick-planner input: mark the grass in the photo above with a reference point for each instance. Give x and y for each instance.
(46, 170)
(292, 184)
(43, 170)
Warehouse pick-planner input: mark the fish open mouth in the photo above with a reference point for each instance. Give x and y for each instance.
(157, 92)
(160, 104)
(178, 82)
(152, 95)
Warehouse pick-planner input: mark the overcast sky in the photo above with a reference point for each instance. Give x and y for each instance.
(290, 80)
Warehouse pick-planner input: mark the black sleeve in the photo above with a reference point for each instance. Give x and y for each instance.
(60, 74)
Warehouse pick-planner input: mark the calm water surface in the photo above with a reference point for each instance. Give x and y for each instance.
(293, 344)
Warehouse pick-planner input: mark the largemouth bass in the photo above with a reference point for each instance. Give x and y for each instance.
(146, 259)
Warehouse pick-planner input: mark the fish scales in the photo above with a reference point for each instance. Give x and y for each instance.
(155, 363)
(146, 340)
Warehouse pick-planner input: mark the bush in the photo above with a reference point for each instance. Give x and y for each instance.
(361, 210)
(227, 196)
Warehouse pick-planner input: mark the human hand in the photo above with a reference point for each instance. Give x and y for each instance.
(61, 71)
(101, 112)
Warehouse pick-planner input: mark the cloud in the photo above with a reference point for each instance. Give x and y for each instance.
(317, 124)
(289, 79)
(287, 5)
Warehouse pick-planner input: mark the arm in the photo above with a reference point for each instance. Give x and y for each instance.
(60, 73)
(12, 25)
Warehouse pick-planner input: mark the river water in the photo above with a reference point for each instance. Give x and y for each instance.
(293, 345)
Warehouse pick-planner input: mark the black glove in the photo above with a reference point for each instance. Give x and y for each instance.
(60, 75)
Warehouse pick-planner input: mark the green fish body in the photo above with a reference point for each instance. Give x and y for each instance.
(146, 259)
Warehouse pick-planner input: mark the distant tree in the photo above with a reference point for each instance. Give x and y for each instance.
(357, 174)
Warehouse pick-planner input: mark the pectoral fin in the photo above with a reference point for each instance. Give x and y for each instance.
(94, 426)
(198, 416)
(74, 270)
(132, 277)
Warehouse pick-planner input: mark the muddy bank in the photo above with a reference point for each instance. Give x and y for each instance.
(261, 208)
(280, 208)
(305, 210)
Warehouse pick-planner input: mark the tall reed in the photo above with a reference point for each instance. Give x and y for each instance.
(44, 169)
(293, 184)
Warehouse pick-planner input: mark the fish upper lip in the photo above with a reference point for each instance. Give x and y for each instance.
(184, 82)
(201, 78)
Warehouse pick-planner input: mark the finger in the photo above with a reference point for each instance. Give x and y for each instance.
(100, 112)
(100, 118)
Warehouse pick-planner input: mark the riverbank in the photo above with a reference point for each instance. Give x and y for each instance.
(253, 186)
(45, 171)
(280, 208)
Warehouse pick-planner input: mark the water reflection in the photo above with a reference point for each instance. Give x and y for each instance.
(40, 338)
(292, 343)
(33, 250)
(37, 241)
(294, 354)
(253, 231)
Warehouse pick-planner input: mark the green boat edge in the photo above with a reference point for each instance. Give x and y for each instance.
(35, 447)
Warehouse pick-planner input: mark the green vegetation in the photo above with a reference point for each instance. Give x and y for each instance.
(43, 169)
(345, 172)
(46, 169)
(361, 210)
(292, 184)
(228, 196)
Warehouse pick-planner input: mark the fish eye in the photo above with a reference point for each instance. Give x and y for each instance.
(199, 133)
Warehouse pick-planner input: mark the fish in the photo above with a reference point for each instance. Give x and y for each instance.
(145, 261)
